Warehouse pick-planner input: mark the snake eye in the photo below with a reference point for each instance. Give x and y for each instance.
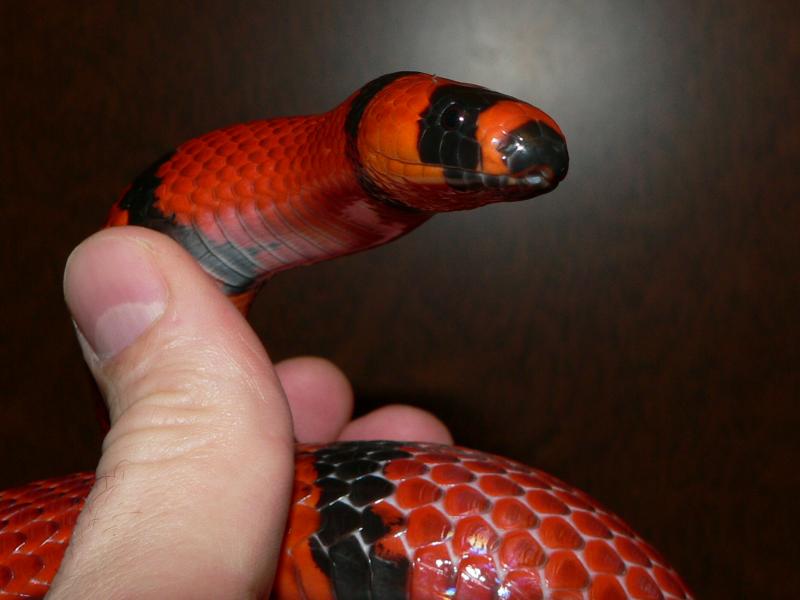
(452, 117)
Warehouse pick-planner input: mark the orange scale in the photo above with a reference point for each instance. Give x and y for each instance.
(509, 513)
(465, 500)
(631, 552)
(528, 480)
(258, 155)
(412, 493)
(615, 524)
(417, 89)
(183, 205)
(436, 457)
(36, 589)
(179, 162)
(602, 558)
(10, 541)
(519, 550)
(283, 166)
(483, 466)
(400, 169)
(474, 535)
(521, 585)
(477, 578)
(573, 500)
(641, 586)
(244, 188)
(67, 521)
(204, 154)
(606, 587)
(279, 187)
(369, 143)
(5, 576)
(393, 519)
(544, 502)
(181, 186)
(215, 138)
(432, 174)
(249, 170)
(304, 465)
(404, 468)
(508, 465)
(191, 170)
(418, 173)
(164, 191)
(300, 491)
(238, 160)
(263, 185)
(37, 533)
(202, 197)
(51, 554)
(43, 501)
(273, 150)
(552, 481)
(427, 525)
(305, 522)
(249, 145)
(23, 516)
(193, 146)
(391, 548)
(215, 162)
(305, 162)
(450, 473)
(555, 532)
(669, 583)
(224, 192)
(589, 525)
(227, 148)
(653, 554)
(565, 571)
(206, 179)
(228, 173)
(24, 567)
(433, 575)
(299, 576)
(495, 485)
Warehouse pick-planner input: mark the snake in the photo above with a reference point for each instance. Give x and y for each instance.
(370, 520)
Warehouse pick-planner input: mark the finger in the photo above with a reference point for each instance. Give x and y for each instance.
(200, 432)
(398, 422)
(319, 395)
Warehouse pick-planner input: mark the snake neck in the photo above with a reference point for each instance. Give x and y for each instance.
(251, 200)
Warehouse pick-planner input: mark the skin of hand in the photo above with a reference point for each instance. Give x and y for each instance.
(195, 477)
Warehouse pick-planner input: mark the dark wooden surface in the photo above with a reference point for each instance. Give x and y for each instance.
(635, 332)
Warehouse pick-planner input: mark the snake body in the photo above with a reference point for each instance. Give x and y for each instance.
(372, 520)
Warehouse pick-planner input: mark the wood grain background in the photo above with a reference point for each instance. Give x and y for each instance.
(635, 332)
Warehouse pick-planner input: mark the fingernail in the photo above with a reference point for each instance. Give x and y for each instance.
(114, 291)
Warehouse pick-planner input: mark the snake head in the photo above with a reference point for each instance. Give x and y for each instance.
(439, 145)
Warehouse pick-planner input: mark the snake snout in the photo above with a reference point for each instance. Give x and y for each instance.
(536, 148)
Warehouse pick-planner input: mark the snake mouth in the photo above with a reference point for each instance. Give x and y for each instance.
(535, 180)
(532, 181)
(539, 177)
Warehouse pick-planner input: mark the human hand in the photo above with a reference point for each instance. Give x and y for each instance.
(195, 477)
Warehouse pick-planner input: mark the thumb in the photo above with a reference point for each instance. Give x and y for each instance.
(194, 480)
